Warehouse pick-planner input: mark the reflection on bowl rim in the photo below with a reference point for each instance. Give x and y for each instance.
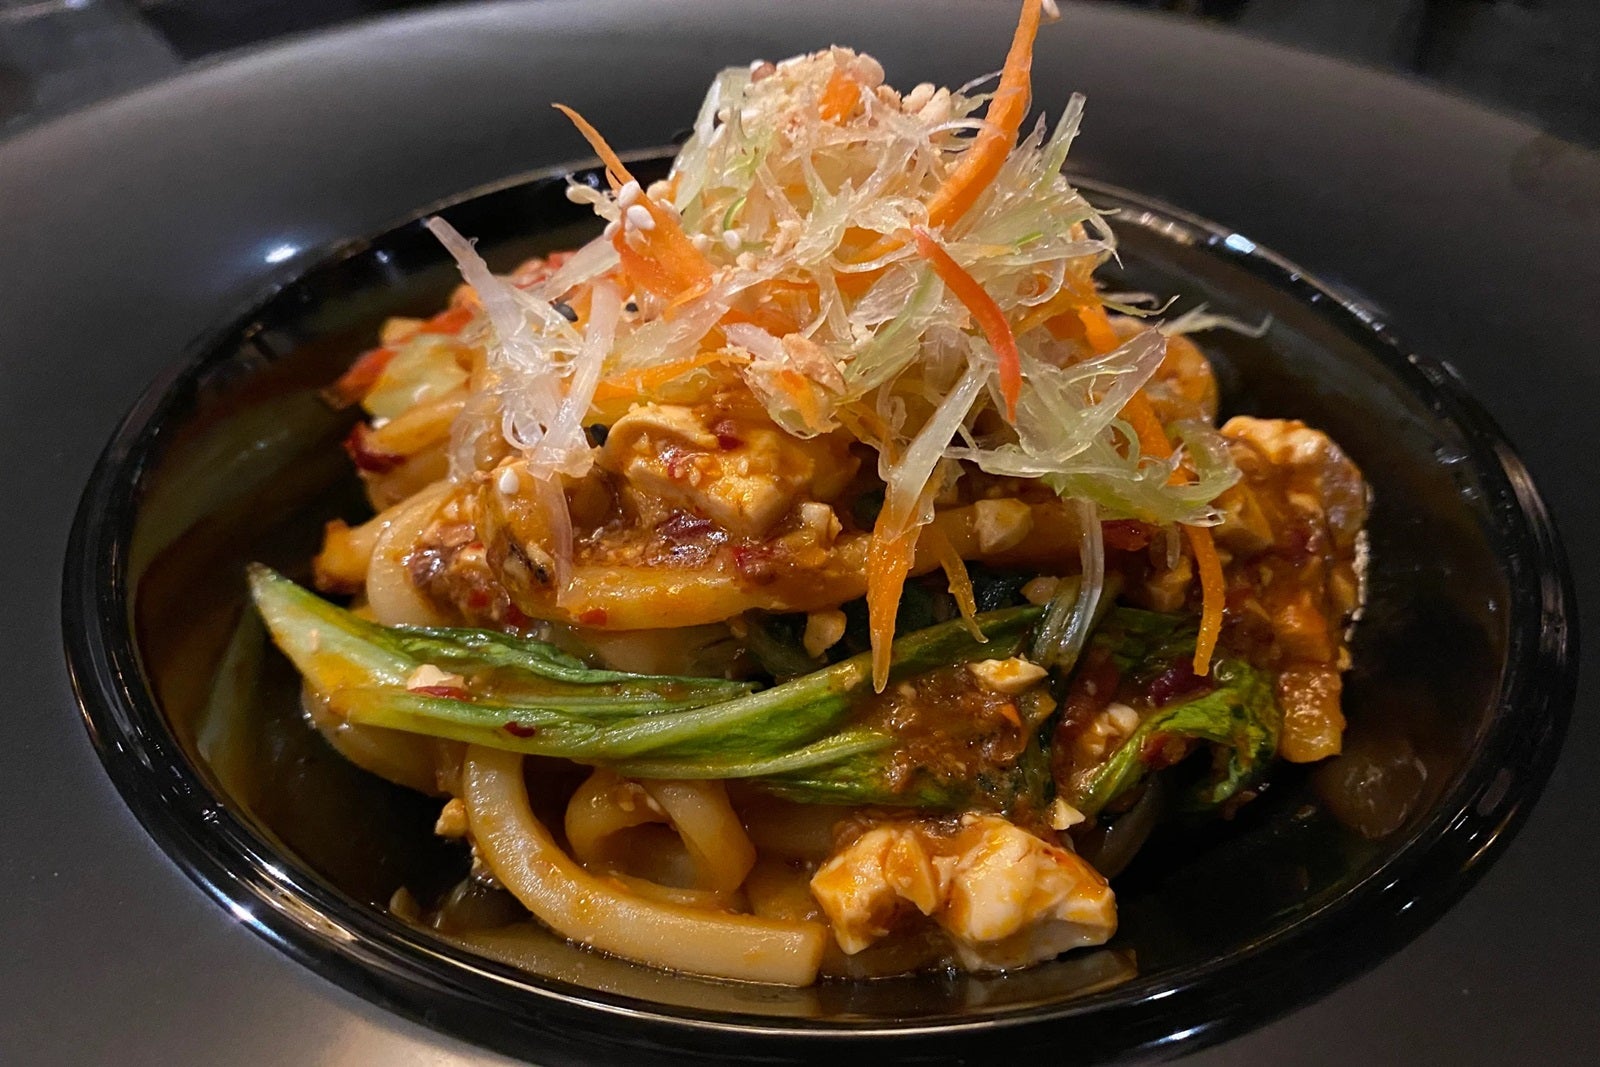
(436, 983)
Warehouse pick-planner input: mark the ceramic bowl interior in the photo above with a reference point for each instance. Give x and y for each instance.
(1462, 680)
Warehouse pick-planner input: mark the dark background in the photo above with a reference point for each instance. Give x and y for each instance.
(1537, 58)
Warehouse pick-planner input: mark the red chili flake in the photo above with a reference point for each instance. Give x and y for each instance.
(684, 525)
(478, 599)
(450, 692)
(516, 729)
(1153, 749)
(593, 617)
(367, 458)
(676, 462)
(727, 439)
(755, 563)
(1126, 535)
(1178, 680)
(358, 381)
(1160, 751)
(515, 617)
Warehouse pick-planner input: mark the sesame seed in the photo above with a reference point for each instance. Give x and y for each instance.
(564, 309)
(639, 218)
(628, 194)
(731, 240)
(575, 194)
(611, 229)
(509, 482)
(701, 242)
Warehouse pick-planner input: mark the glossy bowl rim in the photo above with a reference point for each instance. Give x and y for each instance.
(440, 985)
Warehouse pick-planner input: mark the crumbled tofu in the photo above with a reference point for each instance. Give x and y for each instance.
(1005, 897)
(744, 475)
(821, 521)
(1124, 718)
(823, 631)
(1000, 524)
(452, 819)
(1064, 816)
(1008, 676)
(428, 676)
(1104, 732)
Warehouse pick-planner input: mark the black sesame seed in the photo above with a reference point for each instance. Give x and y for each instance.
(564, 310)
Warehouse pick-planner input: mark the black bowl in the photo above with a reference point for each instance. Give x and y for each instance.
(1465, 664)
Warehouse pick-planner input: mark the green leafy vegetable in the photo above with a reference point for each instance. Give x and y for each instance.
(526, 696)
(334, 650)
(1239, 717)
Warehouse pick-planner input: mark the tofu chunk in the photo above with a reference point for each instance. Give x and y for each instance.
(1005, 897)
(743, 474)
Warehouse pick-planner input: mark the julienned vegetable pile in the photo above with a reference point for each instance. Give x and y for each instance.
(809, 574)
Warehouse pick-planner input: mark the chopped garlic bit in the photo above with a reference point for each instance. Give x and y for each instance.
(452, 819)
(428, 676)
(1124, 718)
(823, 631)
(1064, 816)
(1005, 897)
(1008, 676)
(1001, 524)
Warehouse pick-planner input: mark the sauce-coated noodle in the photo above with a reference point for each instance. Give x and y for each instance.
(393, 598)
(601, 914)
(606, 806)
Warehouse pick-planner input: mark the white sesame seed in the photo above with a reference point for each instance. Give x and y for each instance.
(628, 194)
(509, 483)
(611, 229)
(731, 240)
(574, 194)
(1124, 718)
(701, 242)
(640, 219)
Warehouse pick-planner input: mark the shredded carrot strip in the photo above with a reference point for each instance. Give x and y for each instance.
(797, 387)
(667, 262)
(955, 573)
(1007, 108)
(1213, 596)
(616, 172)
(641, 382)
(1141, 415)
(839, 97)
(987, 154)
(889, 557)
(990, 318)
(1098, 329)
